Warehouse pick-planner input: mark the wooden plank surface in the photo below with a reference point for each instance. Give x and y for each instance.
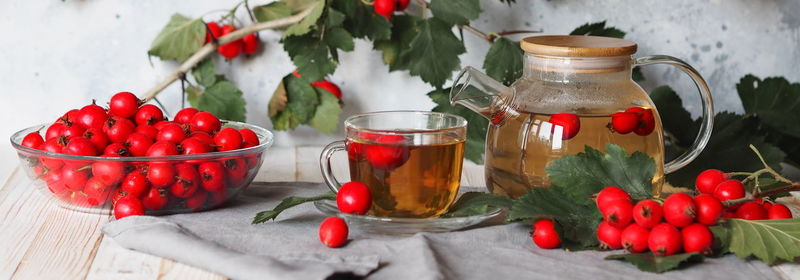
(41, 240)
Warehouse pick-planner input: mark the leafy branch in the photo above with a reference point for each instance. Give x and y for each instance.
(210, 47)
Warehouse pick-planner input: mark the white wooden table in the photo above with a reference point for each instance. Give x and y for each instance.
(39, 240)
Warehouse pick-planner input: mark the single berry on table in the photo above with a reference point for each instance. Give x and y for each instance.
(333, 232)
(545, 235)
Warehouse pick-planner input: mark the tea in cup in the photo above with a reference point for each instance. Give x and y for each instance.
(410, 160)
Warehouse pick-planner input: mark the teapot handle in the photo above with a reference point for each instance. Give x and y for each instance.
(707, 123)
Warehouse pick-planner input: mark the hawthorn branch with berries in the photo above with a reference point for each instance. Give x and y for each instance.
(209, 48)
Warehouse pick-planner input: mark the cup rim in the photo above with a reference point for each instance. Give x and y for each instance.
(265, 142)
(461, 123)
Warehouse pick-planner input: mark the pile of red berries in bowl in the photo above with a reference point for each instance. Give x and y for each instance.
(130, 158)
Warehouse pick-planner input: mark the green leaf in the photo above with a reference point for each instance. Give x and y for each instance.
(362, 21)
(224, 100)
(404, 30)
(308, 23)
(334, 18)
(578, 218)
(297, 6)
(767, 240)
(272, 11)
(287, 203)
(277, 102)
(179, 39)
(476, 203)
(587, 173)
(434, 52)
(673, 115)
(775, 101)
(456, 12)
(339, 38)
(598, 29)
(477, 125)
(503, 62)
(284, 120)
(302, 98)
(722, 240)
(651, 263)
(326, 116)
(637, 75)
(205, 73)
(311, 56)
(193, 94)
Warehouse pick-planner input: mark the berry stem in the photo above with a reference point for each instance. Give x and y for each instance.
(209, 48)
(477, 32)
(769, 169)
(793, 187)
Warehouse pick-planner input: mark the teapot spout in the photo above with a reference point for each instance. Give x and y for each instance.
(482, 94)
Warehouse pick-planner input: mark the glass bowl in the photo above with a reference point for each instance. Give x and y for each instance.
(92, 183)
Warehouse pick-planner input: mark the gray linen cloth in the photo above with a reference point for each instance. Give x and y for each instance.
(225, 242)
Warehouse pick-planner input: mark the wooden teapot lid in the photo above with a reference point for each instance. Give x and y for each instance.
(577, 46)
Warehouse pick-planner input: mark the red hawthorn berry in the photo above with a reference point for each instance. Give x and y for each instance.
(708, 180)
(624, 122)
(569, 123)
(545, 235)
(384, 8)
(330, 87)
(250, 44)
(230, 50)
(333, 232)
(215, 31)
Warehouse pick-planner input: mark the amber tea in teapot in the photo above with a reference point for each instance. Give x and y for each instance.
(575, 91)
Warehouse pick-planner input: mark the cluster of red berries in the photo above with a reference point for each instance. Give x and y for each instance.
(129, 128)
(680, 223)
(353, 198)
(246, 45)
(635, 119)
(386, 8)
(717, 184)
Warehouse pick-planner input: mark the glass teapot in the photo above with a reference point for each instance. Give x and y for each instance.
(574, 91)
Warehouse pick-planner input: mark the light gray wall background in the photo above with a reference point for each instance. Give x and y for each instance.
(57, 55)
